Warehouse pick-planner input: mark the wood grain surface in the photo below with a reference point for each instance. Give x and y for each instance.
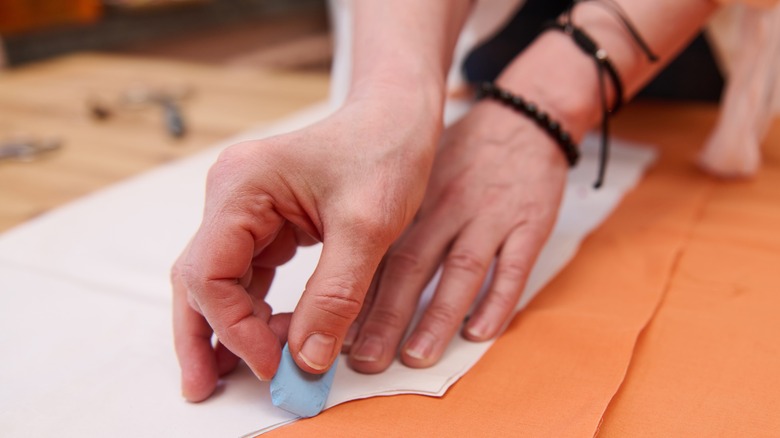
(49, 100)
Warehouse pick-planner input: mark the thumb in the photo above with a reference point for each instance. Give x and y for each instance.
(332, 300)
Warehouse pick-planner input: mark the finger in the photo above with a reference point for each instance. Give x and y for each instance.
(354, 329)
(279, 324)
(240, 329)
(280, 251)
(332, 299)
(257, 285)
(408, 268)
(192, 341)
(220, 255)
(465, 267)
(515, 260)
(226, 360)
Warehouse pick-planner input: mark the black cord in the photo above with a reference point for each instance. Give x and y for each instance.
(604, 68)
(589, 46)
(617, 11)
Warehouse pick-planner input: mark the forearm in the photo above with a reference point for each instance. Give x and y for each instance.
(564, 80)
(402, 49)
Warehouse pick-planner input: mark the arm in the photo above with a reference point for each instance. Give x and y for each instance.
(405, 46)
(558, 75)
(497, 183)
(352, 181)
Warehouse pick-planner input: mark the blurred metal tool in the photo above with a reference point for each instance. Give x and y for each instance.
(168, 100)
(174, 121)
(24, 149)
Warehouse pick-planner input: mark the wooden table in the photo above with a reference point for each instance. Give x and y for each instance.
(49, 100)
(665, 324)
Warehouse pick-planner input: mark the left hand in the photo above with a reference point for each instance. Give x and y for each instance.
(494, 193)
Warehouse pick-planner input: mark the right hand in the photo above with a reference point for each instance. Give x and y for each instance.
(353, 181)
(493, 195)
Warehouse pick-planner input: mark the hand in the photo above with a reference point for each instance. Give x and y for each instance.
(494, 193)
(352, 181)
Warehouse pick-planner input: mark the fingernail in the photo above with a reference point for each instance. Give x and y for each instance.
(369, 349)
(317, 350)
(479, 330)
(420, 346)
(260, 376)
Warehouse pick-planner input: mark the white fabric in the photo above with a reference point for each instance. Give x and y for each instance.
(85, 307)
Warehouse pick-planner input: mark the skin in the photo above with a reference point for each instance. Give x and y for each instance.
(496, 187)
(265, 198)
(491, 190)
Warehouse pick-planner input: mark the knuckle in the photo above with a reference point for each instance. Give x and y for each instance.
(503, 298)
(188, 276)
(181, 279)
(539, 214)
(387, 318)
(228, 164)
(193, 304)
(453, 196)
(443, 316)
(514, 271)
(404, 262)
(370, 226)
(175, 275)
(377, 220)
(339, 298)
(466, 261)
(230, 332)
(240, 160)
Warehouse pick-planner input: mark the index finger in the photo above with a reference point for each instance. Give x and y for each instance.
(221, 253)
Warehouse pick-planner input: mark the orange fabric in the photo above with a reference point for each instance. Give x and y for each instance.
(666, 320)
(709, 364)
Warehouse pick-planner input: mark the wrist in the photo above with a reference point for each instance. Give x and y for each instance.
(540, 118)
(412, 108)
(418, 95)
(557, 76)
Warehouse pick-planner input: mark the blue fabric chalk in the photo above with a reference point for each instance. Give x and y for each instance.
(297, 391)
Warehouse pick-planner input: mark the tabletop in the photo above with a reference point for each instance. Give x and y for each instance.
(664, 324)
(53, 100)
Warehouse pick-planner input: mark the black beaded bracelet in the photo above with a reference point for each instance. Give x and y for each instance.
(532, 111)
